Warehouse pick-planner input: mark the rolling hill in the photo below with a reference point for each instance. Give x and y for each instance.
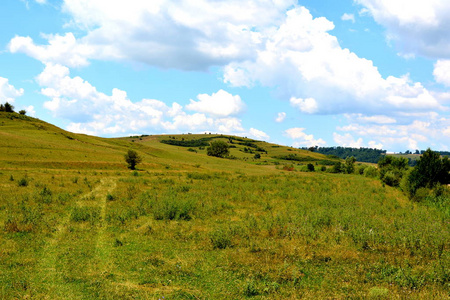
(75, 223)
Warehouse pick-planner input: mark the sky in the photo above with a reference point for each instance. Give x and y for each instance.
(353, 73)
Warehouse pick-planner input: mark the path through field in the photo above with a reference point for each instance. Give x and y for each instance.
(78, 251)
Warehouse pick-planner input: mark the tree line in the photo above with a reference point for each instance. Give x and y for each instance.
(360, 154)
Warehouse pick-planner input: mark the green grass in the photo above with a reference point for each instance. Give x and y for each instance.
(189, 226)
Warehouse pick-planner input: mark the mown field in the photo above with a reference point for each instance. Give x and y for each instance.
(189, 226)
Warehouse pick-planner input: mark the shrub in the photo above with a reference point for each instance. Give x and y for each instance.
(218, 149)
(310, 167)
(132, 159)
(84, 213)
(221, 239)
(371, 172)
(22, 182)
(173, 209)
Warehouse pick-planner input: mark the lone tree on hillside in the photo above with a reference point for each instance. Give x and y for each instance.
(132, 159)
(218, 149)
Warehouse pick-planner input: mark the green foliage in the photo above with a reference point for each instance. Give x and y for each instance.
(392, 169)
(22, 112)
(429, 171)
(361, 154)
(349, 166)
(371, 172)
(310, 167)
(7, 107)
(23, 182)
(132, 158)
(336, 168)
(221, 238)
(84, 214)
(218, 149)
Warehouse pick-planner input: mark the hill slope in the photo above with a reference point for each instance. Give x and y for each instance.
(26, 141)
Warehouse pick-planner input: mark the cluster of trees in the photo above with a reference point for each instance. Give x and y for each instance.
(360, 154)
(430, 172)
(7, 107)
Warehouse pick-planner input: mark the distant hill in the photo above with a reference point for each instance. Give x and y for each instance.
(27, 141)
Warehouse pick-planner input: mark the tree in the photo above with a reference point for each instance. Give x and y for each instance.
(8, 107)
(310, 167)
(429, 171)
(23, 112)
(392, 169)
(349, 166)
(217, 149)
(132, 159)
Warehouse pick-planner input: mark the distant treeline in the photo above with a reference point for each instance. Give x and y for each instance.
(361, 154)
(442, 153)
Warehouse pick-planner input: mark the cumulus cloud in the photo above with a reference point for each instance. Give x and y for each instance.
(258, 134)
(307, 65)
(94, 112)
(280, 117)
(425, 130)
(221, 104)
(347, 140)
(270, 43)
(303, 139)
(188, 35)
(442, 72)
(417, 27)
(348, 17)
(64, 50)
(308, 105)
(8, 93)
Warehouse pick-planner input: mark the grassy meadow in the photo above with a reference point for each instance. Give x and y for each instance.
(75, 223)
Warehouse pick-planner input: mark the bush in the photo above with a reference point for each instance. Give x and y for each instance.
(371, 172)
(310, 167)
(132, 159)
(221, 239)
(173, 209)
(22, 182)
(84, 213)
(218, 149)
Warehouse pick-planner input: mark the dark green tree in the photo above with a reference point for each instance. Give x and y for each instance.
(310, 167)
(392, 169)
(217, 149)
(132, 158)
(429, 171)
(349, 166)
(23, 112)
(8, 107)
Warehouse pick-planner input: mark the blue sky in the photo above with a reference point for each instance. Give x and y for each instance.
(359, 73)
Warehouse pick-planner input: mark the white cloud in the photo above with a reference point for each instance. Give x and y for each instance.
(280, 117)
(417, 27)
(8, 93)
(258, 134)
(94, 112)
(307, 65)
(303, 139)
(425, 130)
(190, 35)
(348, 17)
(308, 105)
(64, 50)
(442, 72)
(221, 104)
(347, 140)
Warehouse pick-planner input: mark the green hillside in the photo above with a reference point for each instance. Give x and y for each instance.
(75, 223)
